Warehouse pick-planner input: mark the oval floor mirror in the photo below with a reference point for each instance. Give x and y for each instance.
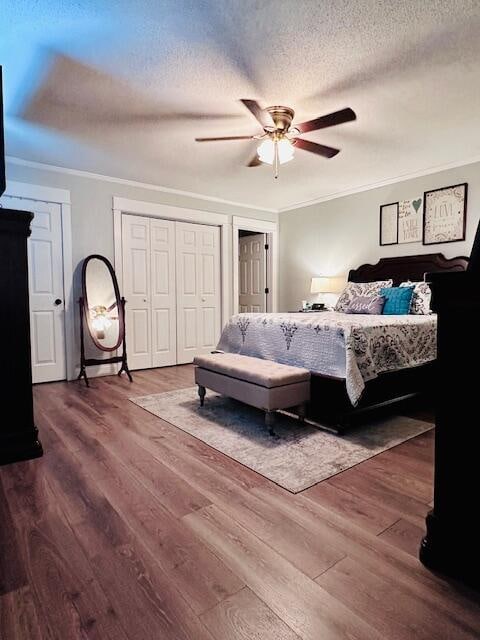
(102, 315)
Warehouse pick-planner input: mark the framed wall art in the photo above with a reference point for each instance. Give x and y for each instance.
(445, 214)
(410, 214)
(389, 224)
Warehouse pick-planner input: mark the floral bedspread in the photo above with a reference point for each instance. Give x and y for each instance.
(356, 348)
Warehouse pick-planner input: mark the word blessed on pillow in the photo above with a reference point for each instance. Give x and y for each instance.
(372, 305)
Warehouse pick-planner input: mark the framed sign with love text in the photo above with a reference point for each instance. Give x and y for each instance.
(445, 214)
(410, 221)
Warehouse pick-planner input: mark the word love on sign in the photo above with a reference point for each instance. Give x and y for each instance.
(445, 214)
(410, 221)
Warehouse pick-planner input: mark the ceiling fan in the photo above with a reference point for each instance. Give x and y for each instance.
(280, 137)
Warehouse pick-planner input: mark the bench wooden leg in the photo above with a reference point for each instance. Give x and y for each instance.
(301, 410)
(270, 421)
(201, 392)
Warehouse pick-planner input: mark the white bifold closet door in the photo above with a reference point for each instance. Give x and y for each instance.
(198, 289)
(149, 288)
(171, 281)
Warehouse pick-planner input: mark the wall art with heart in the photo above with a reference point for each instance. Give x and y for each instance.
(410, 214)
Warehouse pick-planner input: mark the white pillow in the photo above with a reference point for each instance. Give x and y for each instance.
(359, 289)
(422, 295)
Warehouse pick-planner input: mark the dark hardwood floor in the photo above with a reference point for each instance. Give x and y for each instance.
(129, 528)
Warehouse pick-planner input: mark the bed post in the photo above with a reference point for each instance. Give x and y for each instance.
(452, 541)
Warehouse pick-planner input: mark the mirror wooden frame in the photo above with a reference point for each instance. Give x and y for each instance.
(86, 321)
(86, 306)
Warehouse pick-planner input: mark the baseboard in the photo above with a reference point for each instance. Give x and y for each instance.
(98, 371)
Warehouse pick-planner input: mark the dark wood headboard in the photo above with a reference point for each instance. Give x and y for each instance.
(407, 268)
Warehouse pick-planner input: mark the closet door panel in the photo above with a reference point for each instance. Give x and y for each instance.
(163, 296)
(139, 326)
(208, 324)
(190, 324)
(162, 322)
(136, 289)
(208, 259)
(186, 286)
(198, 289)
(188, 283)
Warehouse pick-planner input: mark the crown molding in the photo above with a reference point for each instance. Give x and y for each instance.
(132, 183)
(381, 183)
(292, 207)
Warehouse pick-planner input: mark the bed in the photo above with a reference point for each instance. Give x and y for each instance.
(359, 363)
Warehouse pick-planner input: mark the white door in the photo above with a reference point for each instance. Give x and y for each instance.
(252, 273)
(45, 277)
(136, 289)
(163, 295)
(149, 289)
(198, 289)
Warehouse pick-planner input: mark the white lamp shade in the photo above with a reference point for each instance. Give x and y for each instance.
(266, 151)
(326, 284)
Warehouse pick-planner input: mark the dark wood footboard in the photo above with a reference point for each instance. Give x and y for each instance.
(331, 406)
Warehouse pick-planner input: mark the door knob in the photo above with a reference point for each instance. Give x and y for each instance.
(203, 299)
(58, 302)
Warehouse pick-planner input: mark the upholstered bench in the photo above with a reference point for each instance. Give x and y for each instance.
(260, 383)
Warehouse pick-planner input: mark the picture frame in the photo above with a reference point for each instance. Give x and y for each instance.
(445, 214)
(410, 225)
(388, 224)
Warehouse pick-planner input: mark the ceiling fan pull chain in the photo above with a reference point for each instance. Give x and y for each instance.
(276, 160)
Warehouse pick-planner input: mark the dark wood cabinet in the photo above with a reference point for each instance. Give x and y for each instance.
(452, 542)
(18, 434)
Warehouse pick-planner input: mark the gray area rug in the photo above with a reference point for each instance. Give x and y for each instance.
(298, 457)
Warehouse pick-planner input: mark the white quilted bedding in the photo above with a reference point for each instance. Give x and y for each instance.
(356, 348)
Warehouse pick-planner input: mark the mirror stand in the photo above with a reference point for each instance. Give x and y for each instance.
(88, 362)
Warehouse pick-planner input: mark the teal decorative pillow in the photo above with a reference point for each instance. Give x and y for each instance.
(397, 300)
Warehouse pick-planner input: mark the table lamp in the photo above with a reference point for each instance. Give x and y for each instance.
(325, 284)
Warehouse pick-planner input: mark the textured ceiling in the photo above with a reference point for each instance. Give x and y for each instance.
(122, 88)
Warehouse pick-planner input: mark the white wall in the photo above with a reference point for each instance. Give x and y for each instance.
(92, 216)
(332, 237)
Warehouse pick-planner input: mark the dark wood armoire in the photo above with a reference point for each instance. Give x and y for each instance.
(18, 434)
(452, 541)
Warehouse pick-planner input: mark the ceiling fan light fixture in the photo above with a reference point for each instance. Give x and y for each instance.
(279, 134)
(266, 151)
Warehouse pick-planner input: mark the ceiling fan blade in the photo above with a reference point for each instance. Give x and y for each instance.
(224, 138)
(330, 120)
(314, 147)
(255, 161)
(263, 117)
(69, 95)
(157, 117)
